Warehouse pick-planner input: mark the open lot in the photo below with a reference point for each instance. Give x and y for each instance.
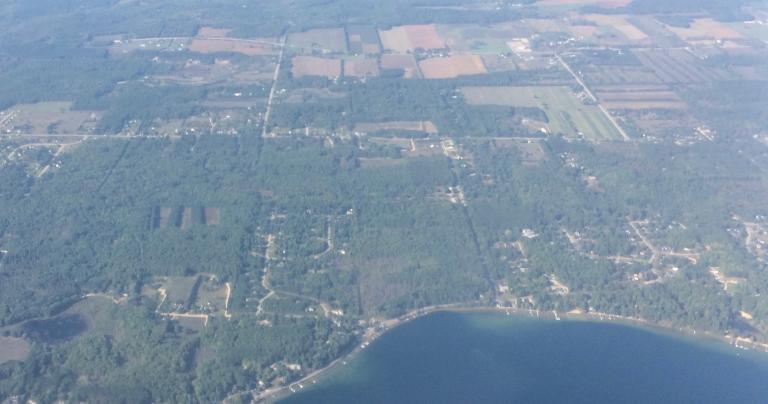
(567, 115)
(408, 38)
(452, 66)
(315, 66)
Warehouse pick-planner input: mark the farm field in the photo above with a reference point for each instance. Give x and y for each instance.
(619, 75)
(482, 39)
(544, 25)
(212, 216)
(588, 33)
(678, 66)
(163, 217)
(325, 40)
(417, 126)
(361, 67)
(211, 32)
(495, 63)
(619, 23)
(248, 47)
(184, 217)
(705, 28)
(302, 95)
(408, 38)
(406, 63)
(222, 200)
(567, 115)
(363, 39)
(639, 97)
(315, 66)
(47, 118)
(452, 66)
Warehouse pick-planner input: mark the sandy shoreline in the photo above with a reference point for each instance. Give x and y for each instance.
(374, 332)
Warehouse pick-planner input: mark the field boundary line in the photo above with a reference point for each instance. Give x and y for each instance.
(592, 96)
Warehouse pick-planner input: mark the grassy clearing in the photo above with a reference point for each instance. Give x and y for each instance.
(566, 113)
(47, 117)
(176, 292)
(13, 349)
(211, 296)
(484, 40)
(325, 40)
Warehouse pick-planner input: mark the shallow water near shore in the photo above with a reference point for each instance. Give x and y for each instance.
(451, 357)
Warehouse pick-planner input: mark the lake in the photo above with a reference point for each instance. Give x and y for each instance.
(451, 357)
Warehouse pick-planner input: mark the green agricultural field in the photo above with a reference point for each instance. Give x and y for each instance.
(566, 113)
(472, 38)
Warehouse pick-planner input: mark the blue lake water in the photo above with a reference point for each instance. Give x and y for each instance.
(452, 357)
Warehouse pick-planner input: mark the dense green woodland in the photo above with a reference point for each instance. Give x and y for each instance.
(364, 227)
(88, 228)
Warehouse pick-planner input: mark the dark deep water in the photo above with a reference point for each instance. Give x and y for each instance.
(494, 358)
